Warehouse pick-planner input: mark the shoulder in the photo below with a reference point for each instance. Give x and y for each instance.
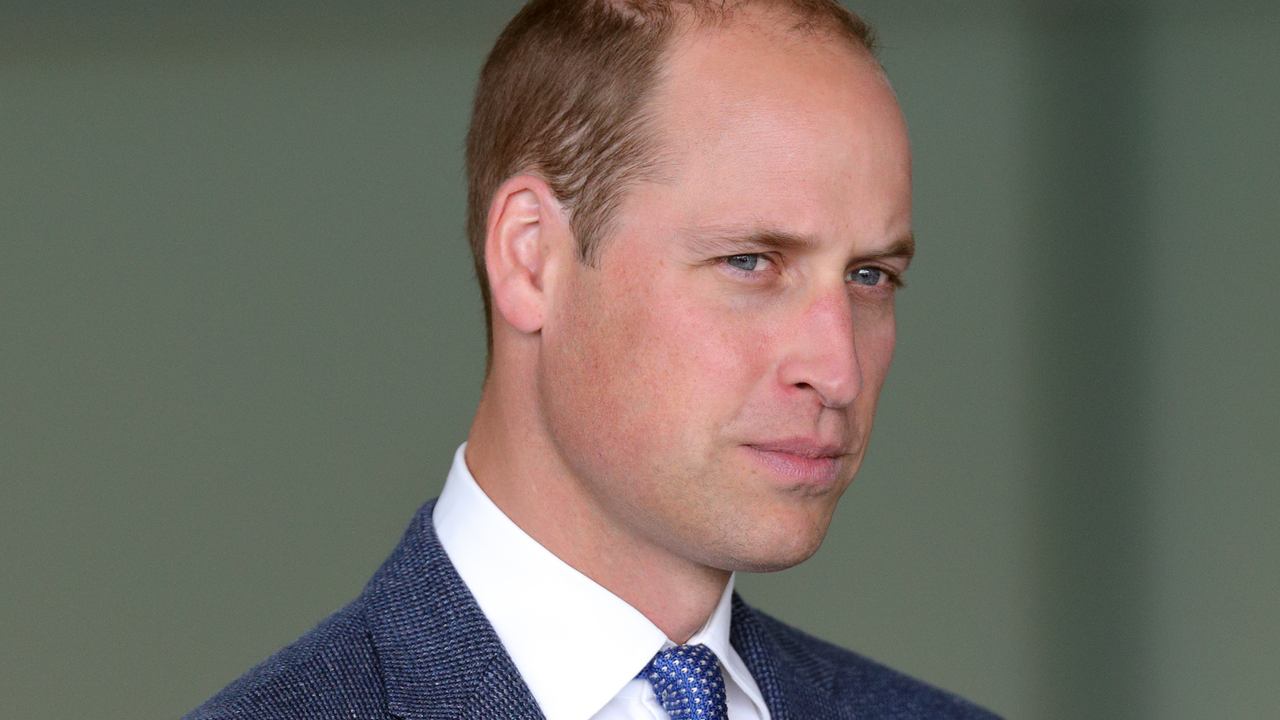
(412, 639)
(331, 671)
(840, 683)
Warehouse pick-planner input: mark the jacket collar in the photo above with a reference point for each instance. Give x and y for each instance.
(440, 657)
(759, 653)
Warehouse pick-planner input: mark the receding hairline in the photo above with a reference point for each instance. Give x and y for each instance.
(776, 19)
(692, 21)
(796, 16)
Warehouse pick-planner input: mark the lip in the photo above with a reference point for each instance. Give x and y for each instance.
(810, 462)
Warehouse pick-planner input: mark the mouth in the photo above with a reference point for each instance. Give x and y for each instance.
(809, 462)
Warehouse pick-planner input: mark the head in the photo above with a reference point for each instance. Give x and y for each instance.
(565, 94)
(690, 242)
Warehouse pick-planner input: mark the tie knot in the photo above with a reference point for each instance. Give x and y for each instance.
(688, 683)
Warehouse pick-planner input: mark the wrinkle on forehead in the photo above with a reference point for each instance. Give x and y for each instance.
(753, 76)
(694, 58)
(729, 239)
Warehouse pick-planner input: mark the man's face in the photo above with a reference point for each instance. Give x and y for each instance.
(711, 383)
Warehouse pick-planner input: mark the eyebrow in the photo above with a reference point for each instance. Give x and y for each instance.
(727, 240)
(904, 247)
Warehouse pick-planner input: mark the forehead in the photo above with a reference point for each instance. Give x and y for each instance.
(756, 118)
(757, 74)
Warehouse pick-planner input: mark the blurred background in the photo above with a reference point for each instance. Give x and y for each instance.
(240, 341)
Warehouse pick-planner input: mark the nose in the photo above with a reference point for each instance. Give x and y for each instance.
(822, 353)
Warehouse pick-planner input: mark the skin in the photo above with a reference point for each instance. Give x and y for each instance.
(697, 402)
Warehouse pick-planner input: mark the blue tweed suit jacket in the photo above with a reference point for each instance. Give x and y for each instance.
(416, 645)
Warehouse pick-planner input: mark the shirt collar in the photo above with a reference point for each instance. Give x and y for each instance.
(550, 617)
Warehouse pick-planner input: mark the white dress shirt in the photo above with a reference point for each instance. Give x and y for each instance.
(549, 617)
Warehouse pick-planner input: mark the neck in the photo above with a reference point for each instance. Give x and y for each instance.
(518, 468)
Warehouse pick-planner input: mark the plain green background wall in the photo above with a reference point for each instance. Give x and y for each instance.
(239, 341)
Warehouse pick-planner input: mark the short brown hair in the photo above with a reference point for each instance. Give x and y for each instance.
(564, 93)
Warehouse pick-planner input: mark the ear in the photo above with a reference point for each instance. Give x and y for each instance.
(526, 238)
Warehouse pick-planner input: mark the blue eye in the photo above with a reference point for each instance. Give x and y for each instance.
(866, 276)
(746, 263)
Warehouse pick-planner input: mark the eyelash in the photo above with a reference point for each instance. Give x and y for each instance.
(891, 278)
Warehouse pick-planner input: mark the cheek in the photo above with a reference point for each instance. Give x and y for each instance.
(875, 339)
(672, 366)
(611, 370)
(686, 360)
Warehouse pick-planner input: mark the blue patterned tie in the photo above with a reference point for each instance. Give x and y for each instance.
(688, 683)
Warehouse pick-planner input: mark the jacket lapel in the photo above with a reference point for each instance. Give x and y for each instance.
(753, 646)
(440, 656)
(776, 674)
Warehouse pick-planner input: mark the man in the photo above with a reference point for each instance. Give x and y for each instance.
(689, 221)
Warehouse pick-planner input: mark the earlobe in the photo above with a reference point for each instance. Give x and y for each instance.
(524, 222)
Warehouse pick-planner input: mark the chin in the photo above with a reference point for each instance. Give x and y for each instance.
(780, 549)
(773, 562)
